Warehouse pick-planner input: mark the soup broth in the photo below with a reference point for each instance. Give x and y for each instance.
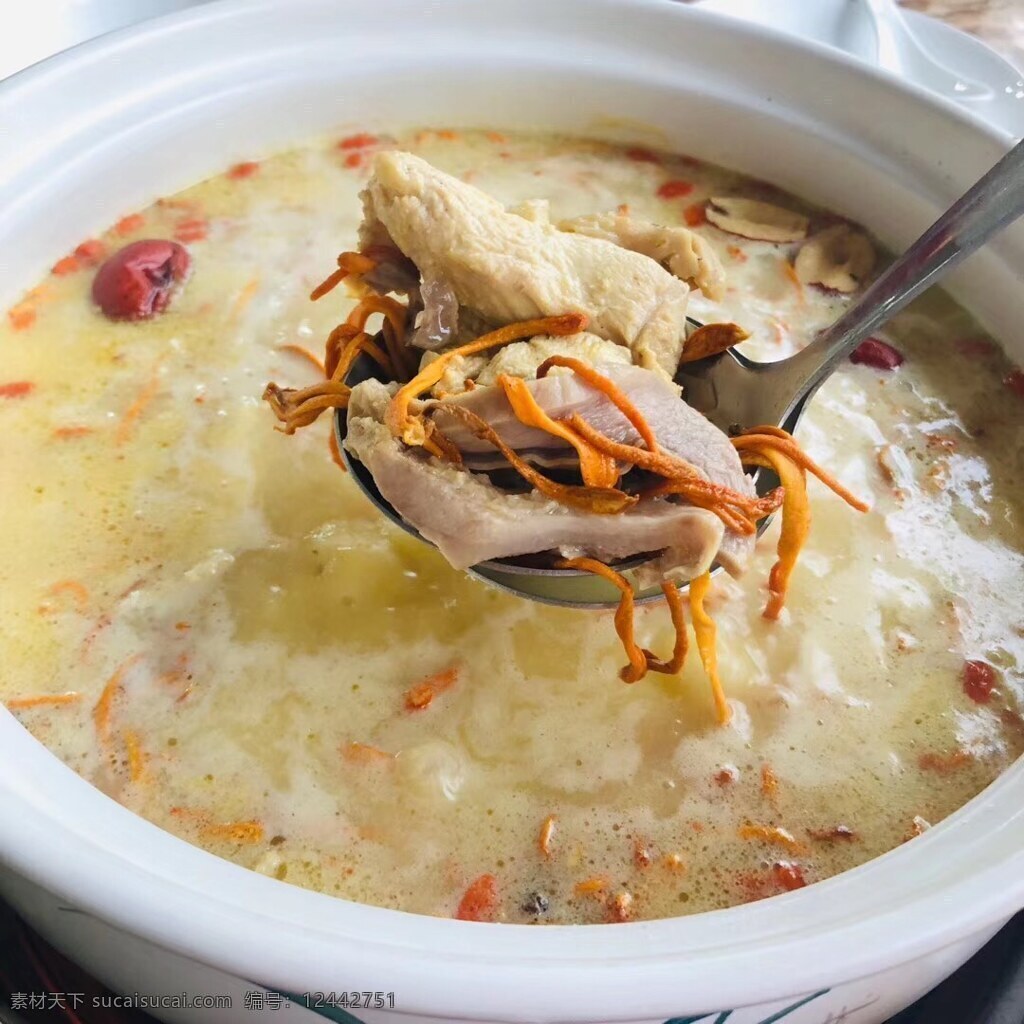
(208, 621)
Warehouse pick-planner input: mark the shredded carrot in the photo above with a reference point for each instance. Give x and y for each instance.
(303, 353)
(191, 229)
(790, 272)
(348, 263)
(17, 389)
(711, 339)
(65, 265)
(130, 224)
(637, 667)
(361, 140)
(22, 316)
(78, 591)
(423, 693)
(136, 756)
(134, 411)
(591, 886)
(245, 296)
(43, 700)
(674, 862)
(243, 170)
(410, 429)
(480, 901)
(704, 629)
(609, 390)
(101, 712)
(769, 782)
(772, 834)
(68, 433)
(598, 500)
(547, 831)
(364, 753)
(496, 137)
(598, 470)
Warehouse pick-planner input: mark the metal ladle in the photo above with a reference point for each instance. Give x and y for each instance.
(736, 393)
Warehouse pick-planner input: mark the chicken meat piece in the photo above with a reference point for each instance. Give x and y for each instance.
(678, 429)
(470, 520)
(679, 250)
(510, 268)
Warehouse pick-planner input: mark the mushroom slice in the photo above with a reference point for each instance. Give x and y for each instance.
(838, 258)
(751, 218)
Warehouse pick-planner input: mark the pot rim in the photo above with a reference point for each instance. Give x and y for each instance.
(965, 874)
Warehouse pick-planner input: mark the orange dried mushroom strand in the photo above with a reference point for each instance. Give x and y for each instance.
(705, 632)
(637, 667)
(394, 313)
(598, 470)
(303, 353)
(348, 263)
(608, 388)
(711, 339)
(769, 782)
(775, 448)
(598, 500)
(297, 408)
(737, 511)
(411, 429)
(480, 900)
(423, 693)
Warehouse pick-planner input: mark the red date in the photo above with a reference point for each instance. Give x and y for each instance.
(877, 354)
(138, 281)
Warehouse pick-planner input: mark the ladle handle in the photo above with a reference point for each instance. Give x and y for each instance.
(983, 211)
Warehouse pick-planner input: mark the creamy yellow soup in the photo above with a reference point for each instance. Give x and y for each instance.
(207, 620)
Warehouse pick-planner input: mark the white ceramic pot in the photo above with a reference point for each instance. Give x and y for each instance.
(115, 123)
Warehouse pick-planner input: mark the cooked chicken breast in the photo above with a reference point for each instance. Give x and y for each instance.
(508, 268)
(679, 250)
(471, 521)
(677, 428)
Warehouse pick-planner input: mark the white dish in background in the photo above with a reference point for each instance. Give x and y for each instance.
(839, 24)
(117, 122)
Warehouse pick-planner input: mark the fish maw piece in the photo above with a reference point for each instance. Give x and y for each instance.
(509, 268)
